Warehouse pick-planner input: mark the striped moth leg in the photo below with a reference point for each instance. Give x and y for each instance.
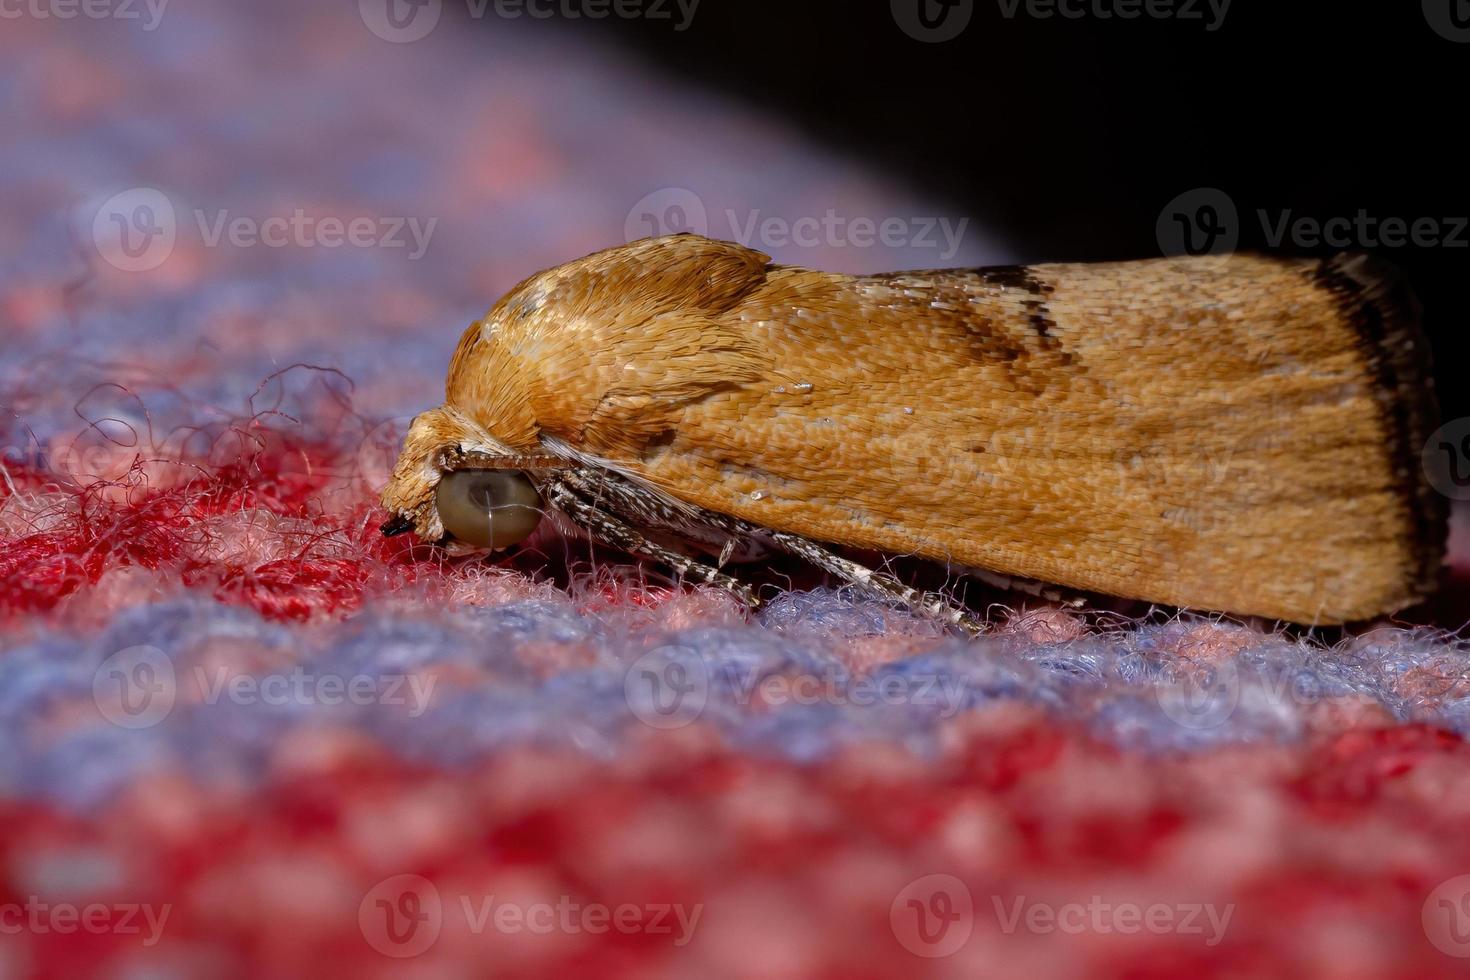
(648, 508)
(878, 584)
(606, 527)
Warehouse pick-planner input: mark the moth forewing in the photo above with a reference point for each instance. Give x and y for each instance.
(1236, 435)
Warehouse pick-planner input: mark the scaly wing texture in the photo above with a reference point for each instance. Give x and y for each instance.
(1235, 434)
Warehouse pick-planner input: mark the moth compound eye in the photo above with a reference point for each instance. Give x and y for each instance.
(488, 508)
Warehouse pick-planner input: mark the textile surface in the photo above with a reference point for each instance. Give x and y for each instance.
(246, 735)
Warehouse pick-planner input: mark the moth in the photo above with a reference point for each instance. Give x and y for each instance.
(1234, 434)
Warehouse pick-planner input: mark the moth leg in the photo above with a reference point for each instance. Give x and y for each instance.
(605, 527)
(636, 503)
(878, 583)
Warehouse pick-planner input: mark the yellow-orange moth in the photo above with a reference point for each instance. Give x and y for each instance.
(1236, 434)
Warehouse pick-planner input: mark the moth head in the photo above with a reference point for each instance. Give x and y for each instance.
(568, 354)
(454, 485)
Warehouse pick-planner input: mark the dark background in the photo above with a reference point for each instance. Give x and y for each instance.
(1073, 135)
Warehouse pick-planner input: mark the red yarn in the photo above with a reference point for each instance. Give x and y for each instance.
(105, 525)
(295, 589)
(682, 820)
(37, 571)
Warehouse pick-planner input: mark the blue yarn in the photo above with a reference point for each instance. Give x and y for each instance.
(778, 687)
